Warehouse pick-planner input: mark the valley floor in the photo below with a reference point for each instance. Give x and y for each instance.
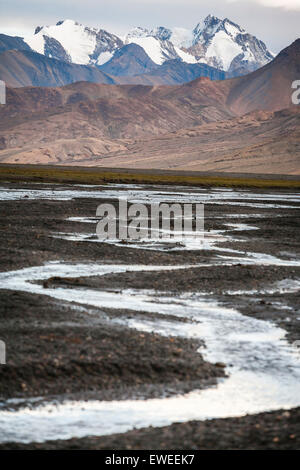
(61, 349)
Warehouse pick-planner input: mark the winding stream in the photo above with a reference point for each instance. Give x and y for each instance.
(263, 369)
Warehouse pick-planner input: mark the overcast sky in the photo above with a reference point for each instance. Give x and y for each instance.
(276, 22)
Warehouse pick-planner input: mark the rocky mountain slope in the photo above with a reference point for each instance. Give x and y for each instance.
(130, 60)
(219, 43)
(13, 42)
(268, 87)
(131, 63)
(59, 124)
(195, 125)
(259, 142)
(172, 72)
(28, 68)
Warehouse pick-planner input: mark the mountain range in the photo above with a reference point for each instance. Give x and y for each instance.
(69, 51)
(247, 123)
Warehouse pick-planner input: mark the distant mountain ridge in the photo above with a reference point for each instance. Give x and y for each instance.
(130, 64)
(219, 43)
(73, 42)
(12, 42)
(225, 45)
(239, 123)
(28, 68)
(69, 51)
(130, 60)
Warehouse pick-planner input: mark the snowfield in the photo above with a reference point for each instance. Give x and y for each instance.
(213, 41)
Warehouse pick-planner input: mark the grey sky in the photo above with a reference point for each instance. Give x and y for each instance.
(274, 21)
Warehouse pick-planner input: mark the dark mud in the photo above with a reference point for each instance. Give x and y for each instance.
(57, 348)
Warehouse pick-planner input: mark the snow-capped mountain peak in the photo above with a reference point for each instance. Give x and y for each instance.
(207, 27)
(220, 43)
(73, 42)
(231, 28)
(212, 25)
(162, 33)
(158, 44)
(182, 37)
(227, 46)
(137, 32)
